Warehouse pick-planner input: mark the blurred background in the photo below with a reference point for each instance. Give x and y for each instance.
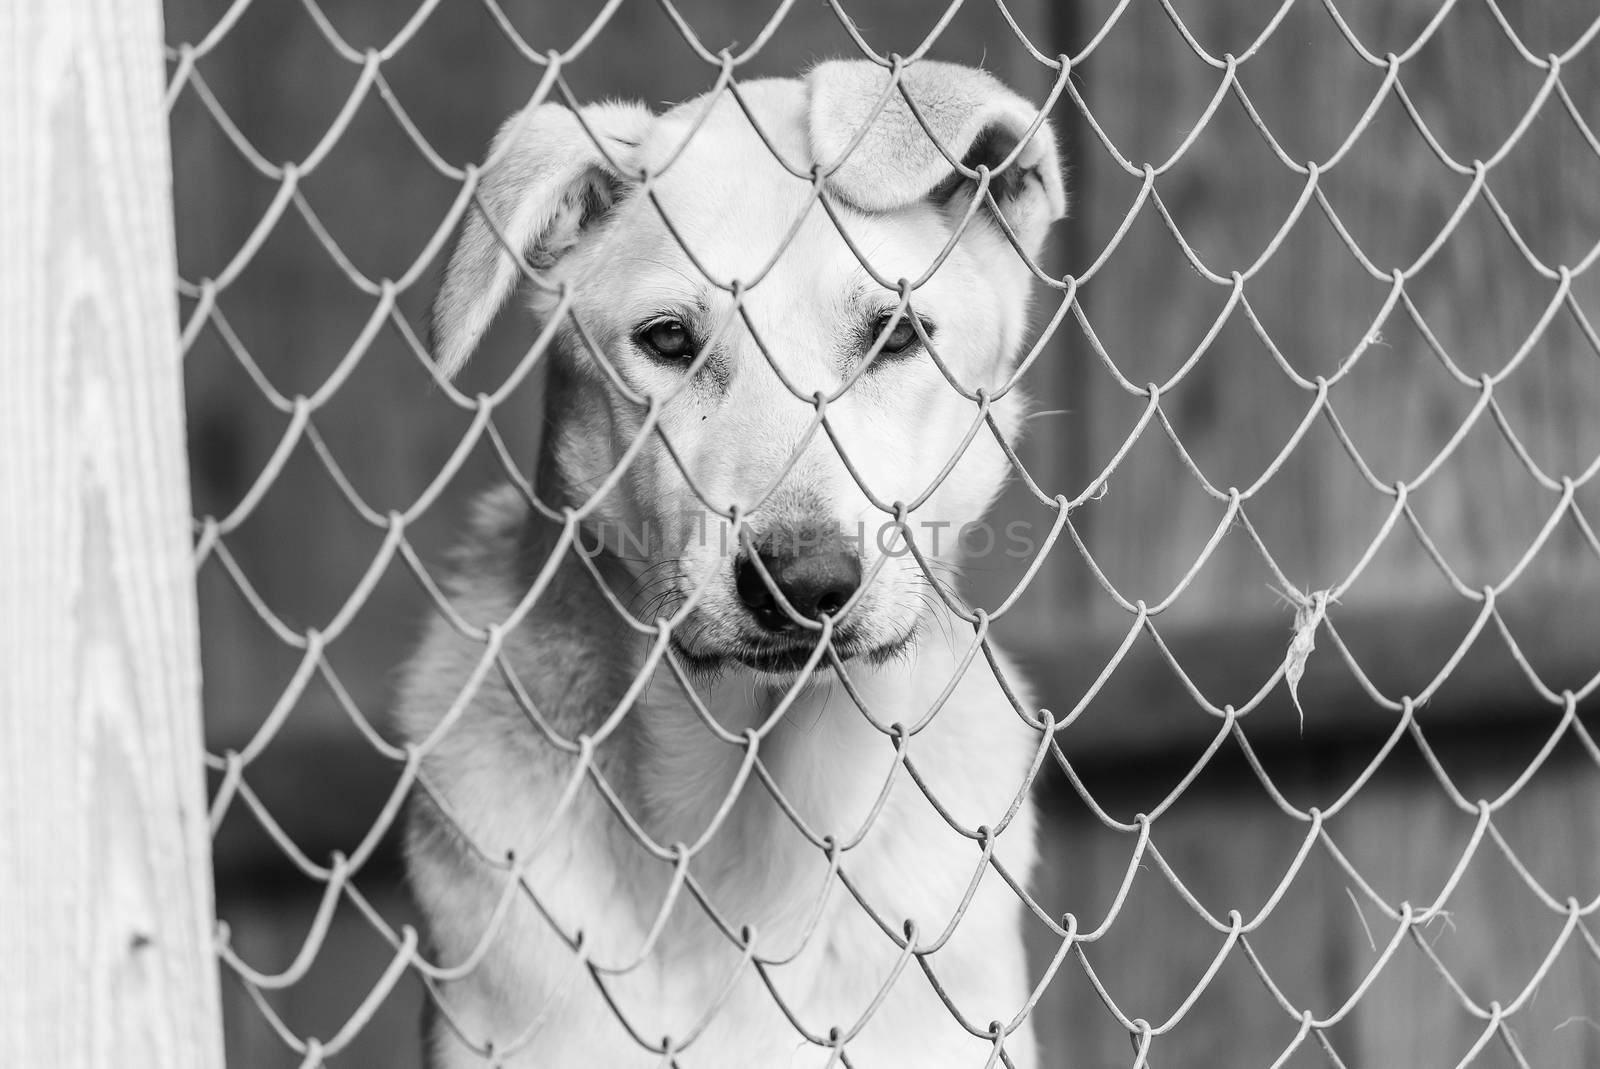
(1498, 281)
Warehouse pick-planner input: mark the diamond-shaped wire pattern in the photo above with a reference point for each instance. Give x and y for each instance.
(313, 434)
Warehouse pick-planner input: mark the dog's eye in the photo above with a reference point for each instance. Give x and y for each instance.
(668, 339)
(901, 338)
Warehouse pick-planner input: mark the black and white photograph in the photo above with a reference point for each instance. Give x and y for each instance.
(800, 534)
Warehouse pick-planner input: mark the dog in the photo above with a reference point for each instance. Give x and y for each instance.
(729, 784)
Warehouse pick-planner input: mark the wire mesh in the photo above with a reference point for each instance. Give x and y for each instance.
(1395, 925)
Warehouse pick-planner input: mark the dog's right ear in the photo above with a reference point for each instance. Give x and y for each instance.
(545, 181)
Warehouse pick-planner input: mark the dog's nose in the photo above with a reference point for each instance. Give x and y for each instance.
(816, 579)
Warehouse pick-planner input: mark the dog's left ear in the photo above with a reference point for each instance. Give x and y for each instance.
(975, 117)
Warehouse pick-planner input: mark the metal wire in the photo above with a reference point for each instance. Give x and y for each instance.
(1398, 922)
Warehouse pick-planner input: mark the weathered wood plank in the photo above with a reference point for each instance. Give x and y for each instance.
(1146, 707)
(1496, 932)
(1480, 296)
(105, 884)
(1232, 848)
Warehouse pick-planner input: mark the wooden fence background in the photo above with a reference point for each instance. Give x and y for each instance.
(303, 551)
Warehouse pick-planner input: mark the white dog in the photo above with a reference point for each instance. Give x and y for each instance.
(709, 845)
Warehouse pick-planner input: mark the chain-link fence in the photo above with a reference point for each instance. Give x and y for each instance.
(1305, 618)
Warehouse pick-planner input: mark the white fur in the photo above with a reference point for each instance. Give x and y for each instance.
(498, 784)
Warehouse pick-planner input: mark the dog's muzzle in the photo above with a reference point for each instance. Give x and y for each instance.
(818, 574)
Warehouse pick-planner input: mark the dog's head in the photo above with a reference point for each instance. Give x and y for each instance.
(726, 394)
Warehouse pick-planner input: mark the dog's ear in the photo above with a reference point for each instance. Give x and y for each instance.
(975, 117)
(546, 180)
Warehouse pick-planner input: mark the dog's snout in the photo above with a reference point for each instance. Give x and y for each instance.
(816, 577)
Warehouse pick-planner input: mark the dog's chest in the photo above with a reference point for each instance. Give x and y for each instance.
(772, 822)
(817, 842)
(758, 814)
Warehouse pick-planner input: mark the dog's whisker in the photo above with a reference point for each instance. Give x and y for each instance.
(936, 610)
(947, 566)
(653, 609)
(658, 575)
(648, 577)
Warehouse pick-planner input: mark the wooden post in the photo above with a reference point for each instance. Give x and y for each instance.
(105, 878)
